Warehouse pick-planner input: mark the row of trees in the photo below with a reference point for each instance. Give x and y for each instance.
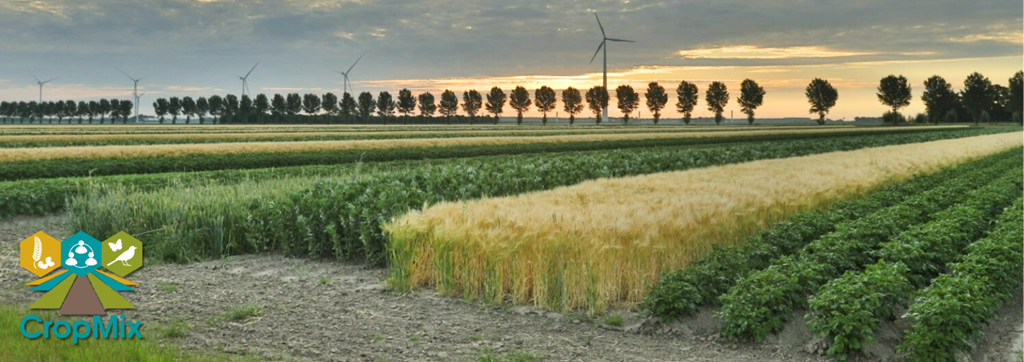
(231, 108)
(48, 111)
(981, 100)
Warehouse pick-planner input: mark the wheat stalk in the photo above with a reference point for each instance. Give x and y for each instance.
(37, 250)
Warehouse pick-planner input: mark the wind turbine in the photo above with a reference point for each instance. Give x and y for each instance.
(245, 79)
(135, 92)
(41, 85)
(605, 39)
(345, 84)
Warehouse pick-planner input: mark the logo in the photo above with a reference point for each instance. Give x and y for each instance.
(89, 284)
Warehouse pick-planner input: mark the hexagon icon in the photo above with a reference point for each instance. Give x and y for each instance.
(122, 254)
(40, 254)
(81, 253)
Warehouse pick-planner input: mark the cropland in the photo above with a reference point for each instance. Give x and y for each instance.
(531, 243)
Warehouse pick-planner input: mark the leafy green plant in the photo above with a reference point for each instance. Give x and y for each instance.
(759, 303)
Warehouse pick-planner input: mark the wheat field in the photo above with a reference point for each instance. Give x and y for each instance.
(34, 153)
(601, 242)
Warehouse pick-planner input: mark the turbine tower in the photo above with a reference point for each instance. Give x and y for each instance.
(345, 85)
(604, 40)
(135, 92)
(41, 85)
(245, 79)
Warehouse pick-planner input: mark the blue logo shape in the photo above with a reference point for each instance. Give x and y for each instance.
(81, 253)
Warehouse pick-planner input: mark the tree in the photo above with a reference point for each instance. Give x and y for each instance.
(545, 100)
(628, 100)
(57, 110)
(104, 109)
(294, 104)
(977, 95)
(572, 102)
(471, 103)
(311, 104)
(70, 110)
(83, 109)
(496, 103)
(261, 106)
(686, 99)
(385, 106)
(114, 110)
(939, 98)
(656, 99)
(173, 108)
(520, 101)
(347, 107)
(1015, 103)
(717, 97)
(188, 108)
(245, 107)
(279, 107)
(449, 105)
(894, 92)
(597, 100)
(216, 104)
(126, 110)
(427, 106)
(231, 108)
(406, 103)
(202, 107)
(366, 105)
(822, 97)
(93, 109)
(330, 104)
(751, 97)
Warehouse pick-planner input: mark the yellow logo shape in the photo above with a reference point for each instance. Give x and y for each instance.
(40, 254)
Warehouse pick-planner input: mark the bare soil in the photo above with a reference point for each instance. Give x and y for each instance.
(281, 308)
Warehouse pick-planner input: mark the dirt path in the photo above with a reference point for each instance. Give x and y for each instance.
(329, 311)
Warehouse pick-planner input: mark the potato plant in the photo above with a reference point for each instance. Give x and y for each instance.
(759, 303)
(949, 313)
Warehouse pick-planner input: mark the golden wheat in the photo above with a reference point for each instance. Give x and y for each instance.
(37, 153)
(602, 242)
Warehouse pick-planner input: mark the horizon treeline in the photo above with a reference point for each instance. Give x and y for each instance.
(978, 101)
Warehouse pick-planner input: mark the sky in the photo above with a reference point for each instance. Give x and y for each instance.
(200, 47)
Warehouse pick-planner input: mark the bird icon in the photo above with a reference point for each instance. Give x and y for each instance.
(125, 256)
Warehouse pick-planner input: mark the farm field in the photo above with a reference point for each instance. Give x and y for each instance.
(545, 243)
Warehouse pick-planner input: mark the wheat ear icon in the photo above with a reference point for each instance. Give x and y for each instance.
(37, 252)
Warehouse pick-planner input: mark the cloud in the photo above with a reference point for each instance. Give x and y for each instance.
(756, 52)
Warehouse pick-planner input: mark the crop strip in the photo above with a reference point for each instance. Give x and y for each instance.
(682, 292)
(759, 303)
(604, 241)
(342, 217)
(848, 310)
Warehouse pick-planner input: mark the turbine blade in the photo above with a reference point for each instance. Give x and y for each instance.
(599, 24)
(125, 74)
(595, 52)
(354, 64)
(34, 76)
(253, 68)
(621, 40)
(51, 79)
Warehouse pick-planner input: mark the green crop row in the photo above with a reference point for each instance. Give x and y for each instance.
(326, 135)
(760, 303)
(848, 310)
(343, 217)
(682, 292)
(949, 313)
(70, 167)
